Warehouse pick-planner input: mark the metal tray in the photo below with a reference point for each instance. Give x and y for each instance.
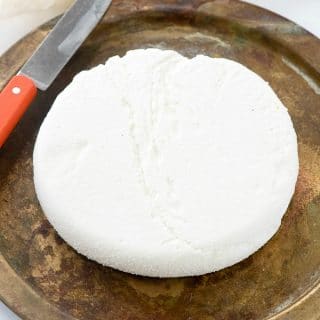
(41, 277)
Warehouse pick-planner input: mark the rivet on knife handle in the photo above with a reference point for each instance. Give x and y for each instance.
(14, 101)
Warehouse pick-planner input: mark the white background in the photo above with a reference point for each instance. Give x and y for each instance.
(13, 26)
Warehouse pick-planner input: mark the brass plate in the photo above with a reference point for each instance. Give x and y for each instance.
(42, 278)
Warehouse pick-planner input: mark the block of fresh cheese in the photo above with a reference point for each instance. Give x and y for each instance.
(164, 166)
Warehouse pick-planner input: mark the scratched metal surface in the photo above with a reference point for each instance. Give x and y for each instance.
(41, 277)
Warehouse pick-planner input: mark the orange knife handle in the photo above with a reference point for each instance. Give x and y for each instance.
(14, 101)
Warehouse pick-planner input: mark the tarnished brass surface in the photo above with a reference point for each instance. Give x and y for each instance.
(42, 278)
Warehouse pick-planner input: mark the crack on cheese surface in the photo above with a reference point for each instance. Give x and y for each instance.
(160, 165)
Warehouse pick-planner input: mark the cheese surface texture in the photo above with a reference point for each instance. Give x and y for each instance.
(160, 165)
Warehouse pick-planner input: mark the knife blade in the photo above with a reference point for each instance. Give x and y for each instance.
(48, 60)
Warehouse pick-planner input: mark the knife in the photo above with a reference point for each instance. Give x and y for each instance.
(46, 63)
